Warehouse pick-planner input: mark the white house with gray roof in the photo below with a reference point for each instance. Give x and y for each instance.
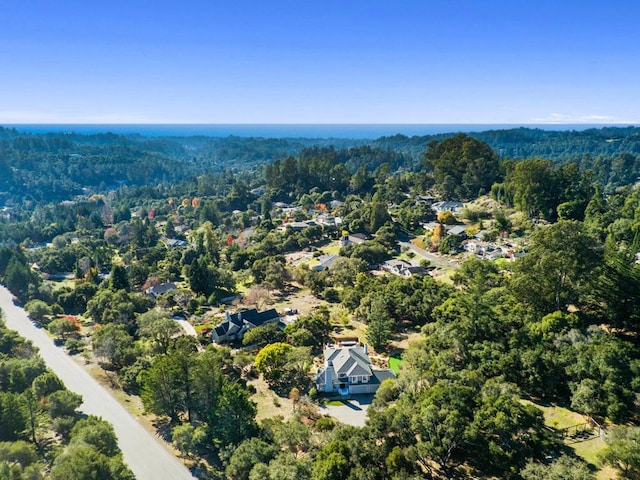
(347, 371)
(453, 207)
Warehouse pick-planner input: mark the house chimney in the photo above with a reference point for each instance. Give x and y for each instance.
(328, 377)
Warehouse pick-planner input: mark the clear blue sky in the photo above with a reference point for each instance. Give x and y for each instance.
(322, 61)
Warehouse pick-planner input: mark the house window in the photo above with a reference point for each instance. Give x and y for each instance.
(342, 375)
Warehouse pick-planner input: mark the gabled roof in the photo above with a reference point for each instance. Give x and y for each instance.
(238, 323)
(359, 236)
(350, 361)
(456, 230)
(394, 263)
(254, 317)
(161, 289)
(326, 261)
(176, 242)
(416, 270)
(448, 204)
(222, 329)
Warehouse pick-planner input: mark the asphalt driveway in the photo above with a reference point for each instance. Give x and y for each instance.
(351, 412)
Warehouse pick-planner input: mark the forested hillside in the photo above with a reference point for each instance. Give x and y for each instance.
(502, 287)
(530, 142)
(58, 166)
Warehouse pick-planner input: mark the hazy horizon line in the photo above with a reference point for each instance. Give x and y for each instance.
(324, 123)
(361, 131)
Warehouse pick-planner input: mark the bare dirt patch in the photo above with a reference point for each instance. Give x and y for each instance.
(298, 298)
(402, 340)
(269, 404)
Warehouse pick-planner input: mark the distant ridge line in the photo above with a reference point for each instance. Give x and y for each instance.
(350, 131)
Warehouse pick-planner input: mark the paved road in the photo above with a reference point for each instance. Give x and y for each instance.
(434, 259)
(146, 457)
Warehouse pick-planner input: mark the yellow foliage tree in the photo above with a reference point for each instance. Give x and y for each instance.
(447, 218)
(438, 233)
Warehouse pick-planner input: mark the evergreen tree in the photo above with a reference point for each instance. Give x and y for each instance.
(379, 324)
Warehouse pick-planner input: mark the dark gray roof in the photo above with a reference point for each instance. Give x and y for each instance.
(380, 376)
(222, 329)
(254, 317)
(237, 323)
(360, 236)
(416, 270)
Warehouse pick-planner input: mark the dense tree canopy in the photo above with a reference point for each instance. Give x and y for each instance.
(462, 166)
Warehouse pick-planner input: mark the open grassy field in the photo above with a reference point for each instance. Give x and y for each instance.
(588, 449)
(332, 249)
(58, 284)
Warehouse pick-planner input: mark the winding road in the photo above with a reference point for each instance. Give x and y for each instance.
(434, 259)
(147, 458)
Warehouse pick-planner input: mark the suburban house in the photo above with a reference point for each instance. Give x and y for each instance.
(486, 250)
(233, 327)
(455, 229)
(161, 289)
(430, 226)
(354, 238)
(425, 199)
(395, 266)
(324, 262)
(347, 371)
(403, 268)
(297, 226)
(176, 242)
(328, 220)
(453, 207)
(416, 270)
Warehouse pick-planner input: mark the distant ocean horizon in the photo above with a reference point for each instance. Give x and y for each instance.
(355, 131)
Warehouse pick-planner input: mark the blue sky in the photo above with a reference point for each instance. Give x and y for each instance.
(271, 61)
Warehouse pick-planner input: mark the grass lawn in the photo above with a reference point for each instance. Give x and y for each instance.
(332, 249)
(353, 329)
(559, 418)
(445, 276)
(394, 364)
(67, 282)
(407, 256)
(242, 288)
